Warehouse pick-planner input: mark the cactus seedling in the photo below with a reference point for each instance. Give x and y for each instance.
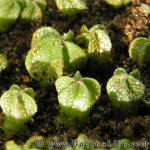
(97, 42)
(124, 90)
(51, 56)
(3, 63)
(118, 3)
(71, 7)
(9, 12)
(76, 97)
(139, 50)
(27, 10)
(34, 143)
(18, 107)
(33, 11)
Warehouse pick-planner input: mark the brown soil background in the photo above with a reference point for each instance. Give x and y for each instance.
(123, 26)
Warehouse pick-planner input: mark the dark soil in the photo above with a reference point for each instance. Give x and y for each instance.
(123, 26)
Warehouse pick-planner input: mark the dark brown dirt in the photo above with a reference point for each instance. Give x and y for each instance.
(123, 26)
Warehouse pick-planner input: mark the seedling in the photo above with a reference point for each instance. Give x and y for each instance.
(34, 143)
(97, 42)
(71, 7)
(3, 63)
(33, 11)
(27, 10)
(76, 97)
(52, 56)
(139, 50)
(118, 3)
(18, 107)
(9, 13)
(125, 90)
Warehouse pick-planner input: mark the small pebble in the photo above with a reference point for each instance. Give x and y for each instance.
(25, 79)
(23, 86)
(144, 9)
(44, 131)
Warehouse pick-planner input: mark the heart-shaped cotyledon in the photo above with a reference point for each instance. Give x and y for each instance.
(125, 90)
(76, 96)
(18, 106)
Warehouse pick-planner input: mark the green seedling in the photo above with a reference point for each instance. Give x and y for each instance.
(18, 107)
(71, 7)
(52, 56)
(76, 97)
(118, 3)
(9, 13)
(33, 11)
(139, 50)
(34, 143)
(97, 42)
(124, 144)
(27, 10)
(3, 63)
(125, 90)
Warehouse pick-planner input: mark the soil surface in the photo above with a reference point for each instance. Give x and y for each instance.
(123, 26)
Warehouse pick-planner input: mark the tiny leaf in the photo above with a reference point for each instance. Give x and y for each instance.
(135, 73)
(68, 36)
